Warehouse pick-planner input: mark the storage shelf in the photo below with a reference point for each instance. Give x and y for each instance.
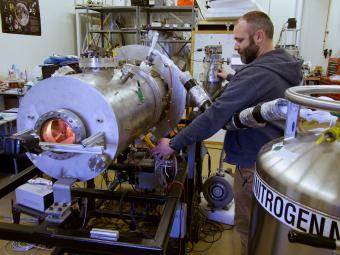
(138, 21)
(168, 9)
(167, 29)
(167, 41)
(110, 8)
(134, 8)
(127, 30)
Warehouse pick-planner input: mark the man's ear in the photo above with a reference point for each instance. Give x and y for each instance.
(259, 37)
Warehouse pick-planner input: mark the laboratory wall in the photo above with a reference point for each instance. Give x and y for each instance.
(57, 37)
(333, 27)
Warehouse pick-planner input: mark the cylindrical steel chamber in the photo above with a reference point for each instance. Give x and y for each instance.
(70, 109)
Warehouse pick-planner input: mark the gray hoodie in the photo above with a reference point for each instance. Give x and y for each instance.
(264, 79)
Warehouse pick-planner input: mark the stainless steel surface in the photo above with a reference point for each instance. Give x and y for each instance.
(302, 185)
(100, 103)
(23, 132)
(157, 93)
(103, 105)
(307, 175)
(302, 95)
(170, 74)
(305, 172)
(218, 190)
(104, 234)
(97, 63)
(70, 148)
(291, 121)
(62, 190)
(99, 163)
(96, 139)
(270, 237)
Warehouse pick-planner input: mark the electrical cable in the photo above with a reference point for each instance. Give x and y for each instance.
(132, 210)
(183, 46)
(209, 231)
(85, 213)
(209, 163)
(42, 248)
(326, 28)
(120, 206)
(134, 188)
(281, 32)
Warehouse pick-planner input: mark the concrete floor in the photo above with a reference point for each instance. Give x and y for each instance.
(5, 216)
(228, 244)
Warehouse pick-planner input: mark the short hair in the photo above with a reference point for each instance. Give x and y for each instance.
(259, 20)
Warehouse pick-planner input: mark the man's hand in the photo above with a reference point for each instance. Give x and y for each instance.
(222, 74)
(162, 150)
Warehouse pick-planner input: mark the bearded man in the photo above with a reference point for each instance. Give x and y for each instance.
(267, 74)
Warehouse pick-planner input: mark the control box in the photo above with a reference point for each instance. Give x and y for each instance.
(34, 195)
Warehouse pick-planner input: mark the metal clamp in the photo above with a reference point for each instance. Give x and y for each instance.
(71, 148)
(94, 144)
(302, 95)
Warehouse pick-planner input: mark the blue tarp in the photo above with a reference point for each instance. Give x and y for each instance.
(61, 60)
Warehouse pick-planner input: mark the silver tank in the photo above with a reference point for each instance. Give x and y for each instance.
(296, 187)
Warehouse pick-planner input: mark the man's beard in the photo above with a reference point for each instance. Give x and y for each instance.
(250, 53)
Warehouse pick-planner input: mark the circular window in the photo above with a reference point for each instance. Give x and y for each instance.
(60, 126)
(57, 131)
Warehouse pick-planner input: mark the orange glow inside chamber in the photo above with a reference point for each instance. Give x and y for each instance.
(57, 131)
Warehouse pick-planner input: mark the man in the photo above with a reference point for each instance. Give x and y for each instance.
(268, 73)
